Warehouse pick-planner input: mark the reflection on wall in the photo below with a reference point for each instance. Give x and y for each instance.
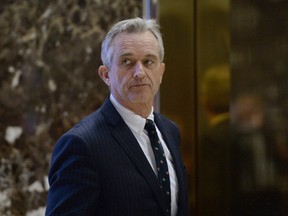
(259, 53)
(214, 185)
(177, 90)
(214, 86)
(49, 55)
(243, 168)
(213, 34)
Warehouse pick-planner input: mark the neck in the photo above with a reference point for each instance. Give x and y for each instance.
(139, 108)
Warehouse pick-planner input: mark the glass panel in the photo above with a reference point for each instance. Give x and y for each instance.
(259, 53)
(242, 148)
(213, 72)
(177, 92)
(236, 94)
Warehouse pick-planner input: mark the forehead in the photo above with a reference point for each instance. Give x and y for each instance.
(132, 43)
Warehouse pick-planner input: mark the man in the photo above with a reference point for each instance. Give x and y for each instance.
(215, 143)
(105, 165)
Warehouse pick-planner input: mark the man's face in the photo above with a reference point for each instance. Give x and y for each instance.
(136, 70)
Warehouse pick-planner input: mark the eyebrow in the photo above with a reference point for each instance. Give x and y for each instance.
(124, 54)
(127, 54)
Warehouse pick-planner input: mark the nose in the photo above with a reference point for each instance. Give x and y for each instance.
(139, 70)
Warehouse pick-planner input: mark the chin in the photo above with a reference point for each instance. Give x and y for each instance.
(138, 99)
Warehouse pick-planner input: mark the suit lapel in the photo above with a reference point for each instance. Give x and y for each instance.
(129, 144)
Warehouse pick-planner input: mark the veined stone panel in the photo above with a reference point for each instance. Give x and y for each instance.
(49, 57)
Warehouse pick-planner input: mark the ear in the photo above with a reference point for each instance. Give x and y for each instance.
(162, 71)
(103, 73)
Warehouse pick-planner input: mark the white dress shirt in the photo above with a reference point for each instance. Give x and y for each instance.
(136, 124)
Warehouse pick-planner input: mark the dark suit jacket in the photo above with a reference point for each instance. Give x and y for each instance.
(215, 170)
(98, 168)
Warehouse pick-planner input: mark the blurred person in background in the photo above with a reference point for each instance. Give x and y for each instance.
(255, 189)
(215, 143)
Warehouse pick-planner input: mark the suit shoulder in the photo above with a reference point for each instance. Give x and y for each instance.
(164, 120)
(89, 126)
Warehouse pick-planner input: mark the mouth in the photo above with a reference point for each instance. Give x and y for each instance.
(138, 85)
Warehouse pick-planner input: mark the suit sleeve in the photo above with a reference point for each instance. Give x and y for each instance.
(73, 179)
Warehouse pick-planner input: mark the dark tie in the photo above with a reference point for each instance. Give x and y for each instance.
(162, 167)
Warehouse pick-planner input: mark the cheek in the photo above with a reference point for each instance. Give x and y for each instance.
(157, 79)
(160, 80)
(114, 77)
(119, 82)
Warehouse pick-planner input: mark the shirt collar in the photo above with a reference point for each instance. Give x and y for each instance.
(135, 122)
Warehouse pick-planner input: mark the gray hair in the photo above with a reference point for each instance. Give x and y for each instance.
(135, 25)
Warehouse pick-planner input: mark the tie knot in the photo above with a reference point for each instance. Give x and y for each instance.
(150, 126)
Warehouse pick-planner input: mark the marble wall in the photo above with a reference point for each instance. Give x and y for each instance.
(49, 56)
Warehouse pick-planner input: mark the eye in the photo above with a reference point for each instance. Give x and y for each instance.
(148, 62)
(126, 62)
